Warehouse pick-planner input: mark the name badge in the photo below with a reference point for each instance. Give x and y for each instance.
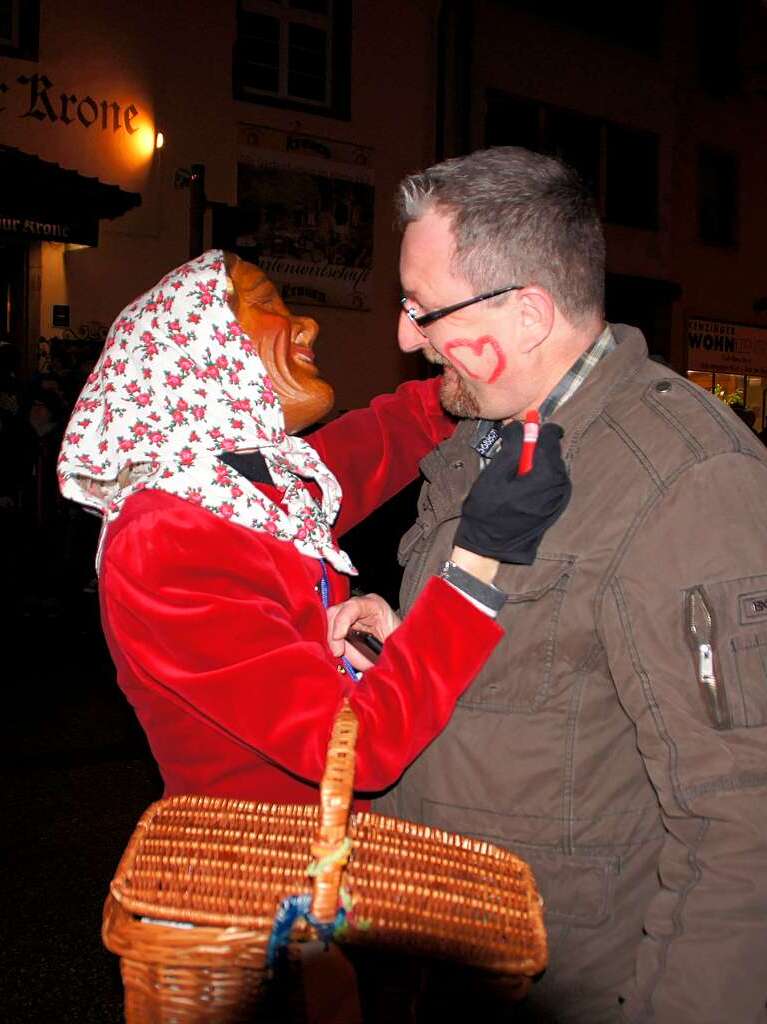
(753, 607)
(487, 442)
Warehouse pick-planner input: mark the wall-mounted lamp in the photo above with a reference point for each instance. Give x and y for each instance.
(159, 140)
(189, 177)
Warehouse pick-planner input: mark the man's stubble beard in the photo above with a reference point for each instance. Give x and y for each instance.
(455, 397)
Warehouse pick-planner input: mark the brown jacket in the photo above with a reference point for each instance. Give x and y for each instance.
(600, 742)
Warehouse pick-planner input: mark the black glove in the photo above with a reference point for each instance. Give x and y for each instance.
(505, 515)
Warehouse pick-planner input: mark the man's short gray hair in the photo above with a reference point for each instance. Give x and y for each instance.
(518, 218)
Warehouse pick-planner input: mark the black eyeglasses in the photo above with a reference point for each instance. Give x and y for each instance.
(421, 320)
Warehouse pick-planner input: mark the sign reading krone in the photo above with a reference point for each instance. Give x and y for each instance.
(47, 105)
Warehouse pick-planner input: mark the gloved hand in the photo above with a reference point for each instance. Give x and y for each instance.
(505, 515)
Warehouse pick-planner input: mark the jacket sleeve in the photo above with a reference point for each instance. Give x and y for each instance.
(696, 571)
(227, 624)
(374, 452)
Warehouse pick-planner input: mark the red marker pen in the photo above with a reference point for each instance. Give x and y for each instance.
(529, 440)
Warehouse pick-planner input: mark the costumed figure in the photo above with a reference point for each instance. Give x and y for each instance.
(218, 554)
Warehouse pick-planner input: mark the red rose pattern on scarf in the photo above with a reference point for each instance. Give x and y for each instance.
(179, 382)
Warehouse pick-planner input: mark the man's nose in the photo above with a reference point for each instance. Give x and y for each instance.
(304, 331)
(409, 337)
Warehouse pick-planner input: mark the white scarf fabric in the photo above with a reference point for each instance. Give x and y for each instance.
(178, 383)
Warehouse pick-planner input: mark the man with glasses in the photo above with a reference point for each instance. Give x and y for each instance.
(617, 740)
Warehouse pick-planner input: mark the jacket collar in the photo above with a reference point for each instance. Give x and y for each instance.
(575, 416)
(611, 373)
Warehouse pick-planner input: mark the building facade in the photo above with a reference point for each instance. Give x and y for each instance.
(286, 125)
(306, 114)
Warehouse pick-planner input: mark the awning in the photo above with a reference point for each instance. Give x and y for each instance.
(41, 200)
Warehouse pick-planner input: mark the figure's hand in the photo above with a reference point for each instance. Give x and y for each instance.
(505, 515)
(368, 614)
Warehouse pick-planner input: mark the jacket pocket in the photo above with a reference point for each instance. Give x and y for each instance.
(520, 673)
(727, 630)
(407, 544)
(576, 889)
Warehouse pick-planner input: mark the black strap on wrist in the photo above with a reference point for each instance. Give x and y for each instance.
(488, 595)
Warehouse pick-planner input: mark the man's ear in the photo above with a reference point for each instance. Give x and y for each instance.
(537, 313)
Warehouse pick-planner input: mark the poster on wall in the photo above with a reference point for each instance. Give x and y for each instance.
(720, 347)
(305, 210)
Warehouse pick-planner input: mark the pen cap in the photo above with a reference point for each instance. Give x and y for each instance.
(532, 426)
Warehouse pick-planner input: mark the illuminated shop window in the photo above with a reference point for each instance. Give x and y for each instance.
(756, 393)
(294, 54)
(702, 379)
(19, 28)
(736, 389)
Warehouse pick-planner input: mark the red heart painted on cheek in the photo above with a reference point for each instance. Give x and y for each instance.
(482, 360)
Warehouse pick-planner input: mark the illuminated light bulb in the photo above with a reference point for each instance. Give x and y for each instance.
(159, 140)
(143, 142)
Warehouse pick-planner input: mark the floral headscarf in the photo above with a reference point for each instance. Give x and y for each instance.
(178, 383)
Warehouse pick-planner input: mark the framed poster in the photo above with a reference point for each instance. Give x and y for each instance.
(305, 212)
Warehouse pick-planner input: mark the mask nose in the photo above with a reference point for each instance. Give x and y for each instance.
(304, 331)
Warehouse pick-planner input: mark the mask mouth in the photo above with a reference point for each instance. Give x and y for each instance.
(303, 354)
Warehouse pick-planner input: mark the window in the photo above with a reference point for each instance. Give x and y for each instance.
(718, 38)
(636, 26)
(717, 196)
(19, 28)
(294, 54)
(620, 165)
(512, 122)
(632, 177)
(577, 140)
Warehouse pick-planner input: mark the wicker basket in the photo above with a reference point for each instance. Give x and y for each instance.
(192, 905)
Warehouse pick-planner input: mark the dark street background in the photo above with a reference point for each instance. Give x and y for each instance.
(78, 773)
(77, 777)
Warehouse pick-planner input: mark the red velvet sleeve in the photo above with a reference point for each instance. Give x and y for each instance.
(374, 452)
(226, 623)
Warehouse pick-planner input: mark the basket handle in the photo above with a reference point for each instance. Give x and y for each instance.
(335, 802)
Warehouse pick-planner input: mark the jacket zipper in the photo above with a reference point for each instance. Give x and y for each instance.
(700, 626)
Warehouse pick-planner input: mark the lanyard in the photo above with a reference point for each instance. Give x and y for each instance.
(324, 588)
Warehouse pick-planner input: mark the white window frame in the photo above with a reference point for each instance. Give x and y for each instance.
(286, 16)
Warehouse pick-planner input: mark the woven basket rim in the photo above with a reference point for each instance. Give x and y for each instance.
(225, 864)
(150, 840)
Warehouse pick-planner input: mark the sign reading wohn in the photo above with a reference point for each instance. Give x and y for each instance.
(720, 347)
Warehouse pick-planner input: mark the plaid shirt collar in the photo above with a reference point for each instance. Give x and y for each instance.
(487, 433)
(578, 373)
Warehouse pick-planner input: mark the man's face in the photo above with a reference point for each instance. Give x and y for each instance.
(285, 344)
(475, 345)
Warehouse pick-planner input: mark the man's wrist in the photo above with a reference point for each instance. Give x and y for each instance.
(484, 568)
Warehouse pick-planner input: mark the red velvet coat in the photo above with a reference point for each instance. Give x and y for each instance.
(218, 632)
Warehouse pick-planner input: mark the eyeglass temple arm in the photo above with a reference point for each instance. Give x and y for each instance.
(428, 318)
